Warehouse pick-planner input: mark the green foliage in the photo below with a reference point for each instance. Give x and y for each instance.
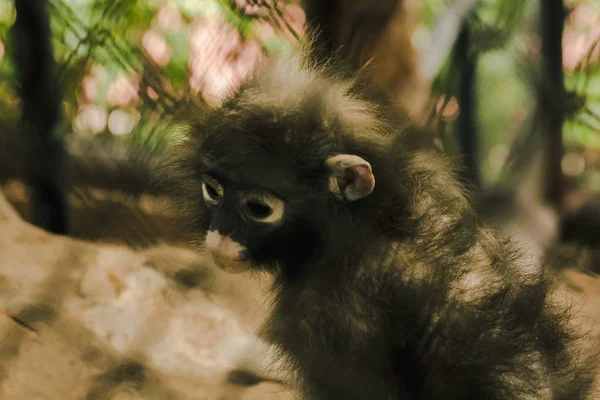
(496, 40)
(503, 101)
(7, 69)
(503, 37)
(578, 133)
(88, 34)
(92, 33)
(177, 69)
(583, 125)
(200, 8)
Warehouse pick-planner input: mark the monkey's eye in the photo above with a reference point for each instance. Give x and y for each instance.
(262, 208)
(258, 210)
(212, 191)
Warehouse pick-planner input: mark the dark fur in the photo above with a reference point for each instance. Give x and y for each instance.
(373, 298)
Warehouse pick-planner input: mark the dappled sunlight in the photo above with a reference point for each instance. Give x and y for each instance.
(253, 8)
(91, 119)
(122, 122)
(296, 17)
(152, 94)
(122, 91)
(585, 14)
(292, 14)
(592, 156)
(90, 87)
(157, 47)
(573, 164)
(497, 156)
(219, 60)
(580, 37)
(576, 47)
(168, 18)
(264, 31)
(448, 107)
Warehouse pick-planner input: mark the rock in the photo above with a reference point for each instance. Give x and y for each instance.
(86, 319)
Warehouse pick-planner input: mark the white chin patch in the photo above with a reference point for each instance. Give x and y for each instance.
(226, 253)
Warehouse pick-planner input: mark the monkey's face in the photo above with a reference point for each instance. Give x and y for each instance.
(269, 191)
(275, 219)
(234, 215)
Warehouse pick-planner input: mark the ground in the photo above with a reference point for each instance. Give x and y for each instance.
(83, 320)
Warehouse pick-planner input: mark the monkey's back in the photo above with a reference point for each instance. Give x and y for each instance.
(436, 305)
(420, 325)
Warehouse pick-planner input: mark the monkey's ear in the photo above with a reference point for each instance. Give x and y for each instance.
(351, 177)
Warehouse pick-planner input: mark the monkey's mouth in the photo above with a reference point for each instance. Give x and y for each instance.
(231, 265)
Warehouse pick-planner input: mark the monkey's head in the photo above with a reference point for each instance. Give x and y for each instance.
(280, 162)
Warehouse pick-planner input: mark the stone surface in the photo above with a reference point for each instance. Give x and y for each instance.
(83, 320)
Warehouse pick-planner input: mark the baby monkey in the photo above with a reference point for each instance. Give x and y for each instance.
(386, 283)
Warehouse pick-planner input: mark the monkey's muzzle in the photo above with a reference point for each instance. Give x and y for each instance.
(226, 253)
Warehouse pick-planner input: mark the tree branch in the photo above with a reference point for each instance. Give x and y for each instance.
(552, 106)
(466, 123)
(41, 101)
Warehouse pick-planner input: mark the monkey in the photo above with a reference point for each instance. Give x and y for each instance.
(386, 282)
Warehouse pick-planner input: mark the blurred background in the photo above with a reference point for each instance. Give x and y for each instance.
(511, 88)
(123, 64)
